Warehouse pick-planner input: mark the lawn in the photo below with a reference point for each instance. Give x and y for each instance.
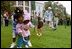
(60, 38)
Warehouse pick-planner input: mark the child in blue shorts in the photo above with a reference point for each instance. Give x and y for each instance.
(14, 23)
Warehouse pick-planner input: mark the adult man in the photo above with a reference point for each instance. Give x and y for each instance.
(49, 17)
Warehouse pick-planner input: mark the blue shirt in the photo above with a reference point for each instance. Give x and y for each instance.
(48, 14)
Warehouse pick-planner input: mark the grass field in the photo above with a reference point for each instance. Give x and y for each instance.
(60, 38)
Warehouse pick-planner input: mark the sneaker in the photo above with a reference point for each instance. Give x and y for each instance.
(19, 47)
(37, 34)
(12, 45)
(26, 46)
(29, 43)
(40, 34)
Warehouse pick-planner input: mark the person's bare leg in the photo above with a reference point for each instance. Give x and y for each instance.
(40, 31)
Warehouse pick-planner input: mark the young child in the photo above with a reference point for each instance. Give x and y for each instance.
(14, 23)
(19, 30)
(23, 29)
(39, 26)
(28, 18)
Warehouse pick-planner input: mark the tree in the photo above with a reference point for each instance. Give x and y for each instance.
(47, 4)
(6, 5)
(57, 8)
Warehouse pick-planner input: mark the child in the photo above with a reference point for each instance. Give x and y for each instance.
(39, 26)
(19, 30)
(23, 29)
(14, 23)
(27, 18)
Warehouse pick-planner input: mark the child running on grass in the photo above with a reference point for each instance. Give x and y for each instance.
(14, 23)
(39, 26)
(24, 33)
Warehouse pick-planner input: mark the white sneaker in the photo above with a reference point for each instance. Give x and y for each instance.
(40, 34)
(29, 43)
(12, 45)
(26, 46)
(19, 47)
(37, 34)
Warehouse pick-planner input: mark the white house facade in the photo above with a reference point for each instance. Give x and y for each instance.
(27, 5)
(24, 5)
(39, 8)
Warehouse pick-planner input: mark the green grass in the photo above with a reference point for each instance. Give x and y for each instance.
(60, 38)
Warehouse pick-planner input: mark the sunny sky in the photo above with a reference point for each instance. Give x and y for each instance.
(66, 4)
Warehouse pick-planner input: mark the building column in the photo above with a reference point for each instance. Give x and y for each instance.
(16, 3)
(30, 7)
(23, 5)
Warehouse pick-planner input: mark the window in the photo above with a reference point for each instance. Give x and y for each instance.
(20, 2)
(26, 3)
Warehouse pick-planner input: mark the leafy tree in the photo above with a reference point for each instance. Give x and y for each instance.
(6, 5)
(47, 4)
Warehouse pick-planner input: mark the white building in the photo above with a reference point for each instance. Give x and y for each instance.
(27, 5)
(39, 7)
(23, 5)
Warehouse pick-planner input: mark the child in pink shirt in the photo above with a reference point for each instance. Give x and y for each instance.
(23, 32)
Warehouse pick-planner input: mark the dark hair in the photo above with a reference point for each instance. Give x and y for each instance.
(26, 21)
(18, 16)
(20, 11)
